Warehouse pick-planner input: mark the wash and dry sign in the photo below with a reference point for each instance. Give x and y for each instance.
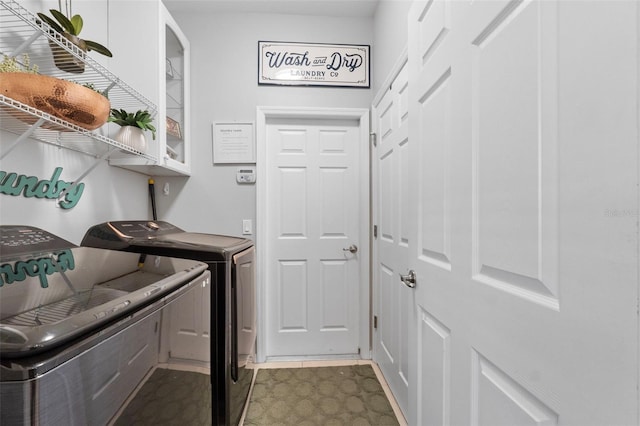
(313, 64)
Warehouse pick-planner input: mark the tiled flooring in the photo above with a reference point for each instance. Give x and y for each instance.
(303, 364)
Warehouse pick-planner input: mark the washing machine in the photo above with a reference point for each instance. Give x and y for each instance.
(231, 262)
(79, 326)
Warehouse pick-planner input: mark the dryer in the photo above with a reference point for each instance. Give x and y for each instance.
(231, 262)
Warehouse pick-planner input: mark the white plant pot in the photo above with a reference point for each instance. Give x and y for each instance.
(133, 137)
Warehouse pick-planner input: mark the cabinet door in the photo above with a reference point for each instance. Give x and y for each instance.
(174, 107)
(168, 86)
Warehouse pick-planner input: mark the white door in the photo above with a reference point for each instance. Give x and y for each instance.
(392, 305)
(189, 319)
(313, 249)
(524, 158)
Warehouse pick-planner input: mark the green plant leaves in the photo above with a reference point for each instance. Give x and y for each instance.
(72, 26)
(65, 22)
(92, 45)
(53, 24)
(76, 21)
(12, 64)
(141, 119)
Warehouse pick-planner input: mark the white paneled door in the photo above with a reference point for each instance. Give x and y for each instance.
(523, 159)
(313, 247)
(392, 306)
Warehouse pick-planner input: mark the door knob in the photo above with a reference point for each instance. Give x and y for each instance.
(410, 279)
(352, 248)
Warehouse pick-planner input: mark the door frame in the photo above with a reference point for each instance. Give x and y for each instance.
(361, 115)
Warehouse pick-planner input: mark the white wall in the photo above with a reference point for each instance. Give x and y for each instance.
(389, 37)
(110, 193)
(224, 64)
(224, 84)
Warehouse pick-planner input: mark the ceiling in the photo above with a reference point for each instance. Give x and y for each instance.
(350, 8)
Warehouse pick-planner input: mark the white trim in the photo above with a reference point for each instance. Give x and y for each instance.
(638, 200)
(263, 113)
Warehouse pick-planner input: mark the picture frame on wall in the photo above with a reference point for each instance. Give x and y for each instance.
(313, 64)
(173, 128)
(233, 143)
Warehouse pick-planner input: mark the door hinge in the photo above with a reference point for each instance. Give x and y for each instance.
(156, 327)
(358, 351)
(374, 138)
(375, 231)
(375, 321)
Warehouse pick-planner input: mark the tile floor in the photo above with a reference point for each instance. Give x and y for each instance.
(297, 364)
(334, 363)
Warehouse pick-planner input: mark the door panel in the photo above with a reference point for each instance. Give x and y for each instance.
(514, 153)
(524, 309)
(189, 325)
(499, 400)
(391, 172)
(434, 373)
(292, 293)
(313, 286)
(435, 126)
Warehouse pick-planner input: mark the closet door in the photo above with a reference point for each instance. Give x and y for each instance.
(312, 241)
(523, 160)
(391, 212)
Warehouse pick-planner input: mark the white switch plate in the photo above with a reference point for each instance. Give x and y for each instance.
(247, 227)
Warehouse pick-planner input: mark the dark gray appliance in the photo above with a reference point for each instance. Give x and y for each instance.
(79, 325)
(233, 330)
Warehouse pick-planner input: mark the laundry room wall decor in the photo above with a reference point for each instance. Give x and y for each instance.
(54, 188)
(233, 143)
(313, 64)
(40, 267)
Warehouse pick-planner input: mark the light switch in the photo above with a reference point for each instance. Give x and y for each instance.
(246, 227)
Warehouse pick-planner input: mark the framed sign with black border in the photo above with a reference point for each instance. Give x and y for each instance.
(313, 64)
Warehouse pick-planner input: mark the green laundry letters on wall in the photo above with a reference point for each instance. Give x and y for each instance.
(14, 184)
(19, 271)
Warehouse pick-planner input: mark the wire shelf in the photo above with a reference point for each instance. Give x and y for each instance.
(22, 32)
(18, 118)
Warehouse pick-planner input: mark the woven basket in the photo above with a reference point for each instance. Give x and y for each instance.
(68, 101)
(65, 60)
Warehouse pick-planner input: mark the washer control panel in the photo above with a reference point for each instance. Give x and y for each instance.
(143, 228)
(19, 239)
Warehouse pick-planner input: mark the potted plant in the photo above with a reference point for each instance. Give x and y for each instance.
(132, 128)
(59, 98)
(70, 28)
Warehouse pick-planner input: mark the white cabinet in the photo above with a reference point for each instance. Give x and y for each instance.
(176, 106)
(157, 60)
